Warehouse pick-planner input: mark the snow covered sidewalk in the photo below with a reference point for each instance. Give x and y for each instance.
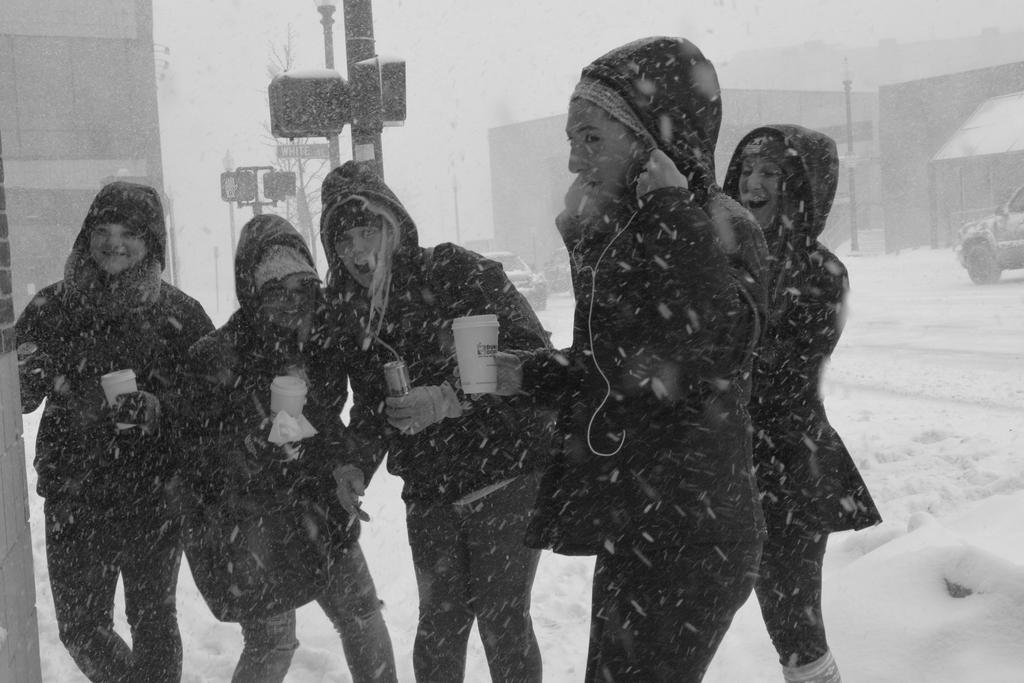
(926, 388)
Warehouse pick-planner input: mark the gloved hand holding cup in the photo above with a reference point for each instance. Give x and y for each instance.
(116, 384)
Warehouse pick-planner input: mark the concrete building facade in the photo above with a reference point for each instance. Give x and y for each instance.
(924, 196)
(980, 166)
(79, 106)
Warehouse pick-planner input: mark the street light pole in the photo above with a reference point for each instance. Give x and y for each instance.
(326, 9)
(455, 195)
(229, 164)
(359, 45)
(847, 85)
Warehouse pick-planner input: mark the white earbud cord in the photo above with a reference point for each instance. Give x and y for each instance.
(593, 351)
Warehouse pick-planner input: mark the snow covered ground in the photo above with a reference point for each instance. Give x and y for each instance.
(927, 389)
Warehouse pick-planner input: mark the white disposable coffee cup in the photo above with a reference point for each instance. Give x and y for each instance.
(287, 393)
(476, 341)
(118, 382)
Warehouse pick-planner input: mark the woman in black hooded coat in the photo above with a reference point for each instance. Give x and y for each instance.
(786, 175)
(270, 528)
(110, 493)
(469, 467)
(655, 476)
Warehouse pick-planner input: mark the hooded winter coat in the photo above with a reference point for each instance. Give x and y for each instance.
(657, 452)
(495, 438)
(90, 324)
(261, 531)
(805, 473)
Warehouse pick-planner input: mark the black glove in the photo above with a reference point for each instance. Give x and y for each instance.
(138, 410)
(35, 369)
(262, 451)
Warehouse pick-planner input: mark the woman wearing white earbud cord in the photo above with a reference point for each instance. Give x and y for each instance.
(654, 475)
(658, 172)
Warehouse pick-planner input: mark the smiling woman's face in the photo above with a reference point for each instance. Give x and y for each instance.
(760, 186)
(115, 248)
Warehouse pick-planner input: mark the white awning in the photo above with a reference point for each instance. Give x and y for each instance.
(995, 127)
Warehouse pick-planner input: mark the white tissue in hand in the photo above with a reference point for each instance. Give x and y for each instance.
(287, 429)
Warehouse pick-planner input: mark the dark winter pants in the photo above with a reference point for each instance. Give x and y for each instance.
(789, 590)
(658, 618)
(471, 564)
(86, 550)
(351, 604)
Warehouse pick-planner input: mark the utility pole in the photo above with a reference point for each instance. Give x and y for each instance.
(847, 85)
(326, 10)
(322, 104)
(172, 242)
(229, 163)
(216, 275)
(455, 193)
(302, 207)
(359, 45)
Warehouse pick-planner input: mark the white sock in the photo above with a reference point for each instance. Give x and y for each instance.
(821, 670)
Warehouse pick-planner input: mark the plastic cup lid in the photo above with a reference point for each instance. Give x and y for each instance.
(288, 384)
(118, 376)
(474, 320)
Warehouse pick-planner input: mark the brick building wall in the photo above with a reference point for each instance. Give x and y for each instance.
(19, 634)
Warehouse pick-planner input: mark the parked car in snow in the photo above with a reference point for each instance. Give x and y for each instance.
(530, 284)
(990, 245)
(557, 273)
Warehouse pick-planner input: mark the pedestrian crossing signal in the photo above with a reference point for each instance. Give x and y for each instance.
(238, 186)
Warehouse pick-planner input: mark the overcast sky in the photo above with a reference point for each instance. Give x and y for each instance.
(472, 64)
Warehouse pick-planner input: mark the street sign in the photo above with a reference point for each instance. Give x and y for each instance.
(238, 186)
(303, 151)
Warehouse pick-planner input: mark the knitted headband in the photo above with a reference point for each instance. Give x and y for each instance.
(614, 105)
(279, 262)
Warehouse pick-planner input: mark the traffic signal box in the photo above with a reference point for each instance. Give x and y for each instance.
(378, 92)
(278, 185)
(319, 102)
(308, 103)
(238, 186)
(241, 185)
